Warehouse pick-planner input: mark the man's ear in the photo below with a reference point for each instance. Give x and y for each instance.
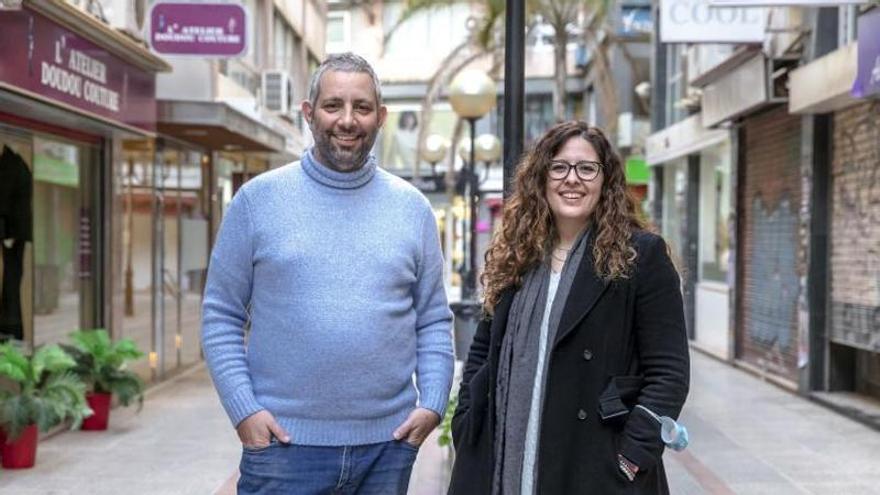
(307, 109)
(383, 114)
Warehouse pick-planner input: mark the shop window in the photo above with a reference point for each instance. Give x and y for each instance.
(47, 229)
(715, 191)
(16, 236)
(675, 206)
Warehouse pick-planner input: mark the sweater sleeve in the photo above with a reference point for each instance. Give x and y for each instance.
(225, 311)
(434, 366)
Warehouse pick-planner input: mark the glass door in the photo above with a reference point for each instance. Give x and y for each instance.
(64, 261)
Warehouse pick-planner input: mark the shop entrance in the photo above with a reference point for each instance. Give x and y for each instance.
(49, 219)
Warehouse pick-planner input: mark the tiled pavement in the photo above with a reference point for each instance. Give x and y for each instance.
(747, 437)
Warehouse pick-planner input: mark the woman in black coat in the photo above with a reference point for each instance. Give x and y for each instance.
(584, 322)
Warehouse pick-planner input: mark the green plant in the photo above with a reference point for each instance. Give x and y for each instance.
(45, 390)
(101, 364)
(445, 437)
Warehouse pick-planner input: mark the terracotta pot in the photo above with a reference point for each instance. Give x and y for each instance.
(100, 404)
(21, 452)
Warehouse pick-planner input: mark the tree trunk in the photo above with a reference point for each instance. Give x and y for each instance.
(601, 71)
(560, 49)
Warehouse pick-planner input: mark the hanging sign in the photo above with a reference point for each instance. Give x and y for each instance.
(697, 21)
(216, 30)
(867, 81)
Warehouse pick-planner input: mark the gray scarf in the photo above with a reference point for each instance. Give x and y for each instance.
(519, 360)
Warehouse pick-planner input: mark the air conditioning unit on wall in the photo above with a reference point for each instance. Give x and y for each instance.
(127, 16)
(277, 92)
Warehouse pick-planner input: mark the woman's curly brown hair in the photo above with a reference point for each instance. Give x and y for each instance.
(528, 231)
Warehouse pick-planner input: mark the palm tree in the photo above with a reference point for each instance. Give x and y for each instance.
(560, 15)
(486, 40)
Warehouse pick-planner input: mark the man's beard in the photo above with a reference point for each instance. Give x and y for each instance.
(339, 159)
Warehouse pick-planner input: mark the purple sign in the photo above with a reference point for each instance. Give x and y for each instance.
(202, 29)
(48, 60)
(868, 79)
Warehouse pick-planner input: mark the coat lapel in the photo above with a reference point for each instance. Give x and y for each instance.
(586, 289)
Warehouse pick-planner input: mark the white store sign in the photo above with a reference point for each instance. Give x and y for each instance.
(785, 3)
(697, 21)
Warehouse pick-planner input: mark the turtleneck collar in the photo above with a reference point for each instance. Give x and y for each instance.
(338, 180)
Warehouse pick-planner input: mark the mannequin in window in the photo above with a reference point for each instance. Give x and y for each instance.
(16, 229)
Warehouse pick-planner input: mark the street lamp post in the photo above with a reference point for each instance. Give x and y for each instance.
(488, 150)
(434, 151)
(472, 95)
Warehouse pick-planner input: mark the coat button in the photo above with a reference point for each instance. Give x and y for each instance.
(588, 354)
(582, 415)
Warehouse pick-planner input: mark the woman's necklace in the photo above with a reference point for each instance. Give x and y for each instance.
(564, 252)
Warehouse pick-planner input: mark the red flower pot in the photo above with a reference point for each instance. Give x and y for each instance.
(21, 452)
(100, 404)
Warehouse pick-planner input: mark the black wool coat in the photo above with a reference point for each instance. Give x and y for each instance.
(16, 192)
(618, 344)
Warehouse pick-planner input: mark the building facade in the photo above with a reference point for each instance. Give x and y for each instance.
(792, 181)
(126, 201)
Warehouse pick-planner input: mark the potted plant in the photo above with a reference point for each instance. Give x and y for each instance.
(101, 364)
(44, 392)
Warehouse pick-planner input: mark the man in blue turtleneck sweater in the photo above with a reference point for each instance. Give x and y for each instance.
(337, 265)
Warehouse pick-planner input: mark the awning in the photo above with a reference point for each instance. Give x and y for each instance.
(825, 84)
(682, 139)
(217, 126)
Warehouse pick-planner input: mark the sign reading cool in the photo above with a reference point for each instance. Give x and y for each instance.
(697, 21)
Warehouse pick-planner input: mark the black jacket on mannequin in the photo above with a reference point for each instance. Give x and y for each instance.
(16, 192)
(16, 224)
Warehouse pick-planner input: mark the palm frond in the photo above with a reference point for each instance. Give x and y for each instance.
(410, 9)
(16, 413)
(51, 359)
(101, 364)
(13, 363)
(49, 393)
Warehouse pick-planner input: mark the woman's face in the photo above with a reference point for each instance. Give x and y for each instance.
(574, 197)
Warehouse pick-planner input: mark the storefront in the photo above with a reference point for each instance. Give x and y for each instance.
(692, 166)
(854, 266)
(770, 243)
(161, 216)
(71, 91)
(838, 94)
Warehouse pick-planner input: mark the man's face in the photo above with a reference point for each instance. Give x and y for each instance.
(345, 120)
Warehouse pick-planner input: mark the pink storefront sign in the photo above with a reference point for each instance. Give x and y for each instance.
(45, 59)
(215, 30)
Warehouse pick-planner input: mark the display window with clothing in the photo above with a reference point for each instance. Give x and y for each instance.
(48, 228)
(16, 230)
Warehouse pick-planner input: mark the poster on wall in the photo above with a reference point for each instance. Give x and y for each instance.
(397, 148)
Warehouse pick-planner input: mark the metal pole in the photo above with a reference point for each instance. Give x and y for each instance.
(514, 88)
(473, 191)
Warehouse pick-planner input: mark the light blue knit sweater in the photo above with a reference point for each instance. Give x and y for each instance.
(343, 277)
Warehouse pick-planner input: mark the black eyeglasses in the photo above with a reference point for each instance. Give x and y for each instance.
(585, 170)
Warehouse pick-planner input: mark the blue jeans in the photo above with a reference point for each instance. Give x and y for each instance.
(376, 469)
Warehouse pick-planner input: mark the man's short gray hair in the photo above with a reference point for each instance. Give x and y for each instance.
(342, 62)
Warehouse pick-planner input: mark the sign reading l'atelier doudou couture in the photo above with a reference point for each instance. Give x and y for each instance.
(48, 60)
(868, 78)
(216, 30)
